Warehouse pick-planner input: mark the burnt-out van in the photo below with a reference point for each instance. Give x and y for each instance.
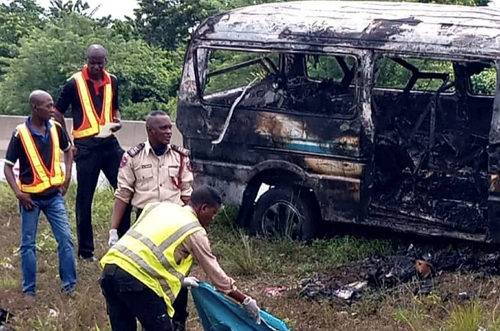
(375, 113)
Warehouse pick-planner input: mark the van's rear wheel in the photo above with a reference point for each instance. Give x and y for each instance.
(285, 212)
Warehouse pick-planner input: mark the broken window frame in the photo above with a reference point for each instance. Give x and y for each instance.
(469, 87)
(202, 54)
(401, 59)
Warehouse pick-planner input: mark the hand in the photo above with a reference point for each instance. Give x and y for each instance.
(190, 281)
(64, 187)
(25, 200)
(116, 120)
(113, 237)
(251, 308)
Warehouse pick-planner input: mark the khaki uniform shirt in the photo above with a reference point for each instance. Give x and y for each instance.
(144, 177)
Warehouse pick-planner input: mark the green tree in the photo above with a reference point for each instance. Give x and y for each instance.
(168, 23)
(148, 75)
(17, 20)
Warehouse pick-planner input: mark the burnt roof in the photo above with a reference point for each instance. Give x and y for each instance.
(387, 26)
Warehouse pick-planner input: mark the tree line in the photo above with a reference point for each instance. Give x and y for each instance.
(42, 47)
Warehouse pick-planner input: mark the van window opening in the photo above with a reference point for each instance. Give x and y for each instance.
(306, 83)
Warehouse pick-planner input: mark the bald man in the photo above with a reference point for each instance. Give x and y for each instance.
(92, 94)
(154, 171)
(39, 141)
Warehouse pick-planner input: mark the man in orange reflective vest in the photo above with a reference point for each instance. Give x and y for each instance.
(37, 144)
(92, 94)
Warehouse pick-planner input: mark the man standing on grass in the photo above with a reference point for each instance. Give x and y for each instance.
(92, 94)
(37, 144)
(154, 171)
(145, 270)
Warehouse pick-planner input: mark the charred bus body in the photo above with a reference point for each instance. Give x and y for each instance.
(383, 114)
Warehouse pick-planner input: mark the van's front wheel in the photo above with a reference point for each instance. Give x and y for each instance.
(285, 212)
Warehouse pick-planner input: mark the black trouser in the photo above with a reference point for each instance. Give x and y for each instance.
(127, 299)
(94, 155)
(181, 301)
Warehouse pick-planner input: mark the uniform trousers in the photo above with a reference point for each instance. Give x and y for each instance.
(128, 300)
(92, 156)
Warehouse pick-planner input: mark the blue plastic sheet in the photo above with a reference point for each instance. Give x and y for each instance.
(218, 313)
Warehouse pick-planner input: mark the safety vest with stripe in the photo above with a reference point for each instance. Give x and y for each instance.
(91, 121)
(43, 178)
(147, 250)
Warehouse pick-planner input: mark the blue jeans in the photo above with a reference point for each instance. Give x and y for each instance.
(55, 211)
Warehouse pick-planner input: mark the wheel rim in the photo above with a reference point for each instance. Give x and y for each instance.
(281, 219)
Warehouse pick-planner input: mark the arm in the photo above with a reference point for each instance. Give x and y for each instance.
(118, 212)
(24, 198)
(117, 117)
(187, 180)
(68, 158)
(63, 102)
(13, 151)
(124, 191)
(199, 246)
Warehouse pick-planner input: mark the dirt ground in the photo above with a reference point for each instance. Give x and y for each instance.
(391, 309)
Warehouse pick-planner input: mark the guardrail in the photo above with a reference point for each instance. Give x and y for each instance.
(131, 134)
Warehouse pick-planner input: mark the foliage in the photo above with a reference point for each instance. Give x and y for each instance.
(17, 20)
(169, 23)
(51, 54)
(42, 48)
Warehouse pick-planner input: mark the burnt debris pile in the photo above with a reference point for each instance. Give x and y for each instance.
(420, 271)
(445, 185)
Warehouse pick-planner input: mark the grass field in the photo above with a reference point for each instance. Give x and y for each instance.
(256, 264)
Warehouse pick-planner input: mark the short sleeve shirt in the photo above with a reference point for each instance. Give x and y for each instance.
(43, 143)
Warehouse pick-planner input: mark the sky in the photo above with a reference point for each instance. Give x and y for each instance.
(116, 8)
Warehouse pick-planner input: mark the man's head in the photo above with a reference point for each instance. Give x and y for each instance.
(42, 105)
(96, 59)
(159, 128)
(205, 201)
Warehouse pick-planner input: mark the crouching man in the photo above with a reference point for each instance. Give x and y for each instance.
(145, 270)
(37, 144)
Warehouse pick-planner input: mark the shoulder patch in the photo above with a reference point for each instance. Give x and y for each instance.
(181, 150)
(136, 150)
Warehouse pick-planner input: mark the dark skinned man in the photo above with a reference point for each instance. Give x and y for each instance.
(92, 94)
(37, 144)
(145, 270)
(154, 171)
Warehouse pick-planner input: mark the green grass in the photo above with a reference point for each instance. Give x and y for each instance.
(255, 263)
(250, 255)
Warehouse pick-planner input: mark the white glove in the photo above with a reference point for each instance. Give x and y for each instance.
(251, 308)
(113, 237)
(190, 281)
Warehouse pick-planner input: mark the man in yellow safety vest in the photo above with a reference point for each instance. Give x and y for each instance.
(37, 145)
(92, 94)
(145, 270)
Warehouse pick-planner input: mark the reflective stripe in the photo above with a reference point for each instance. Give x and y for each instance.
(158, 250)
(147, 269)
(173, 238)
(158, 254)
(43, 178)
(91, 122)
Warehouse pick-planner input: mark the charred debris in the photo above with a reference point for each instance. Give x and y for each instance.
(418, 270)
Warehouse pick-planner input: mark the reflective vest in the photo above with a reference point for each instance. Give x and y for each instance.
(91, 122)
(146, 251)
(43, 178)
